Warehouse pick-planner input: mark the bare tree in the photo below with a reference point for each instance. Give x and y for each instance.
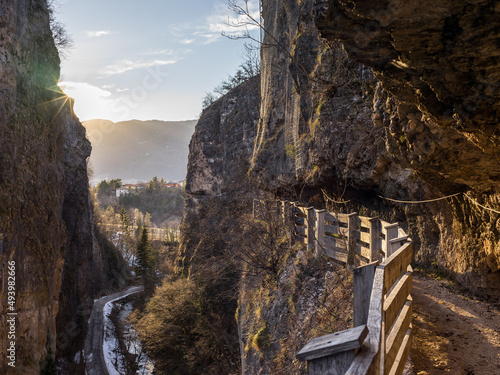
(61, 37)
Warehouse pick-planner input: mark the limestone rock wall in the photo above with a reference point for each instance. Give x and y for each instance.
(45, 212)
(367, 99)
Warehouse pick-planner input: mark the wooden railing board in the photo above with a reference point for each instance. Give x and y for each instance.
(330, 242)
(365, 253)
(404, 351)
(397, 298)
(331, 229)
(365, 237)
(333, 343)
(330, 217)
(396, 243)
(397, 264)
(301, 231)
(362, 289)
(336, 253)
(365, 221)
(395, 339)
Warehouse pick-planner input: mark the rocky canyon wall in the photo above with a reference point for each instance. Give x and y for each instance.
(365, 99)
(45, 211)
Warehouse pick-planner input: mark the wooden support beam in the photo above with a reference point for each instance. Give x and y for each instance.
(310, 221)
(320, 232)
(352, 227)
(391, 232)
(375, 242)
(368, 361)
(362, 290)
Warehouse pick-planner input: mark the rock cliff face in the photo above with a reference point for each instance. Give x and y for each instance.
(219, 158)
(45, 212)
(360, 100)
(363, 99)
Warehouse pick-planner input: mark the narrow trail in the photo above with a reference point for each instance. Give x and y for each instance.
(452, 333)
(94, 356)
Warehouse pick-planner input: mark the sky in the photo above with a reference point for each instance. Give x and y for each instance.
(148, 59)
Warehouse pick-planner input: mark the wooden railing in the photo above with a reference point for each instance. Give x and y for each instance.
(347, 238)
(380, 341)
(382, 344)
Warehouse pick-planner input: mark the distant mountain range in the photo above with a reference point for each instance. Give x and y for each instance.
(139, 150)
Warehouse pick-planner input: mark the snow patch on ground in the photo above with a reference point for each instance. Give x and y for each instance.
(110, 342)
(114, 361)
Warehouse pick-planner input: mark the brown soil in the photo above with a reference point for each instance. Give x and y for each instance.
(453, 334)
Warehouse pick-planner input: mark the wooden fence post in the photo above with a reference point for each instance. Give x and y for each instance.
(362, 290)
(320, 232)
(352, 227)
(310, 228)
(333, 354)
(375, 239)
(288, 220)
(391, 232)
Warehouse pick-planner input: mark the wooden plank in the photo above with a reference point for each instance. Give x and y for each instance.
(320, 232)
(404, 351)
(300, 220)
(365, 253)
(300, 230)
(365, 221)
(365, 237)
(375, 240)
(352, 226)
(391, 232)
(330, 217)
(362, 290)
(396, 299)
(368, 360)
(357, 249)
(333, 343)
(396, 337)
(337, 254)
(330, 242)
(333, 229)
(396, 243)
(303, 210)
(343, 218)
(310, 222)
(397, 264)
(401, 232)
(333, 365)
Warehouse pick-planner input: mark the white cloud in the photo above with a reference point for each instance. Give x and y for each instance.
(127, 65)
(97, 34)
(224, 20)
(158, 52)
(218, 22)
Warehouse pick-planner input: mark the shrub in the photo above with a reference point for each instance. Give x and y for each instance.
(262, 340)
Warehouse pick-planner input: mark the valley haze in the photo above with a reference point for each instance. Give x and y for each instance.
(139, 150)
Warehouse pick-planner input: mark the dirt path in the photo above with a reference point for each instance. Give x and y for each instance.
(452, 333)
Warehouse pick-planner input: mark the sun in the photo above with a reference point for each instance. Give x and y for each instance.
(91, 102)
